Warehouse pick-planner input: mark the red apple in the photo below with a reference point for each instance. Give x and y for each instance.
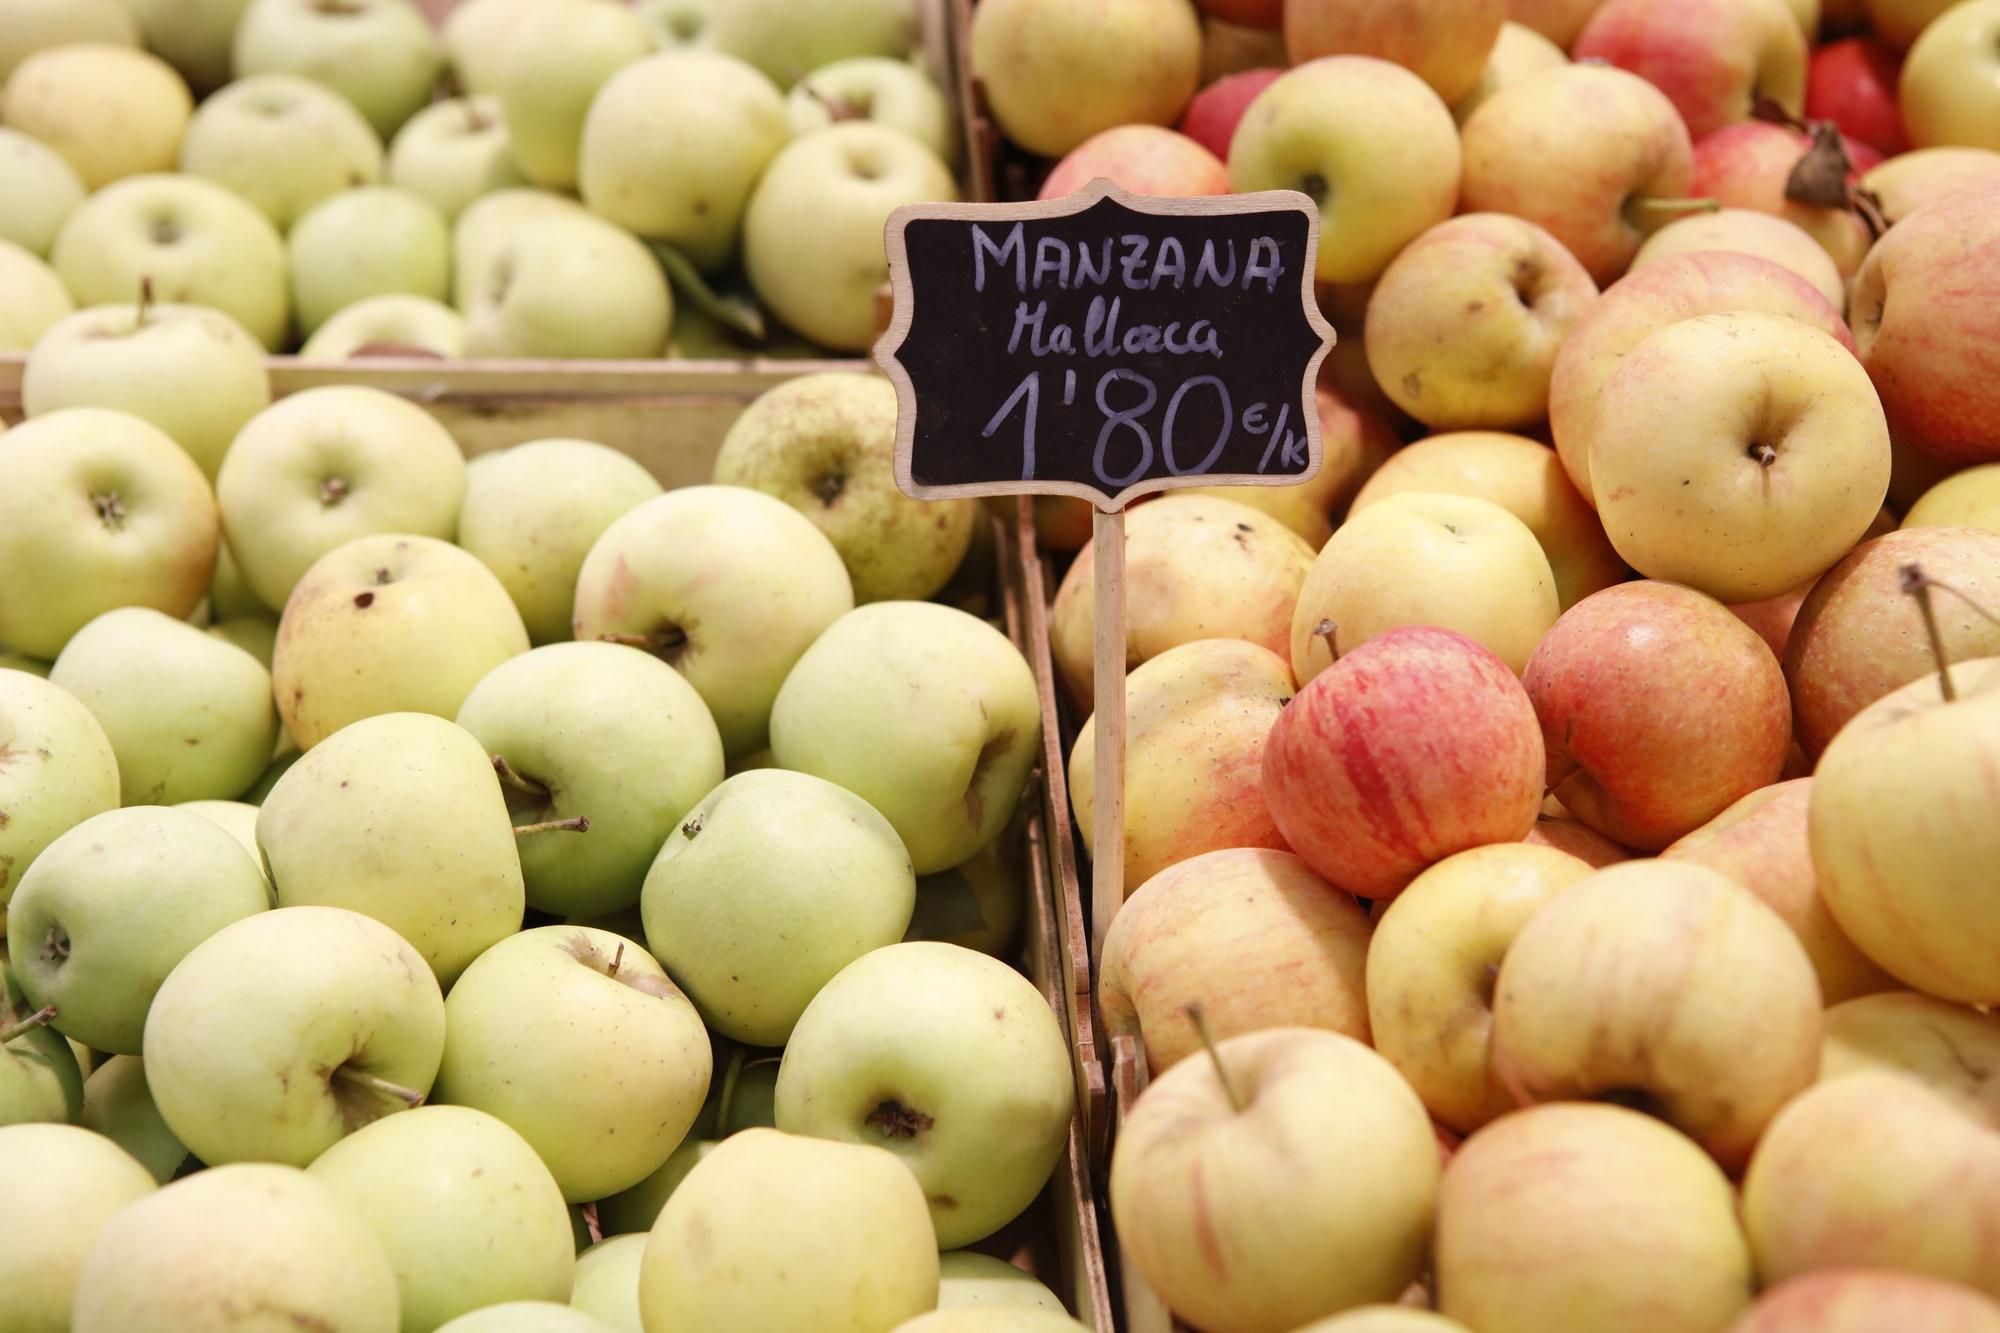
(1659, 708)
(1144, 159)
(1712, 58)
(1211, 118)
(1853, 84)
(1417, 744)
(1748, 165)
(1869, 1300)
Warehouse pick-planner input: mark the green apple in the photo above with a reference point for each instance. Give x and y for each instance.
(978, 904)
(194, 372)
(851, 1247)
(578, 1039)
(393, 325)
(62, 1184)
(28, 26)
(949, 1059)
(637, 1208)
(677, 24)
(97, 510)
(229, 596)
(559, 55)
(532, 513)
(37, 191)
(968, 1279)
(277, 768)
(378, 54)
(607, 1282)
(527, 1317)
(768, 888)
(193, 36)
(198, 242)
(206, 1252)
(39, 1078)
(256, 635)
(927, 713)
(475, 34)
(374, 241)
(32, 298)
(332, 1021)
(826, 445)
(112, 906)
(189, 715)
(110, 111)
(895, 94)
(438, 863)
(282, 142)
(454, 151)
(788, 41)
(319, 468)
(57, 769)
(600, 731)
(567, 287)
(990, 1320)
(388, 624)
(467, 1213)
(236, 818)
(486, 225)
(118, 1104)
(728, 585)
(13, 661)
(673, 145)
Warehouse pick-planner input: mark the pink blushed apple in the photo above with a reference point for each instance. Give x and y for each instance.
(1445, 41)
(1142, 159)
(1211, 118)
(1747, 165)
(1714, 58)
(1869, 1300)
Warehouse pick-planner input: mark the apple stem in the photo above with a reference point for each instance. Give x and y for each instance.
(592, 1227)
(838, 108)
(145, 307)
(1200, 1021)
(658, 643)
(511, 776)
(1976, 608)
(1678, 205)
(42, 1017)
(574, 824)
(1917, 584)
(1329, 631)
(367, 1082)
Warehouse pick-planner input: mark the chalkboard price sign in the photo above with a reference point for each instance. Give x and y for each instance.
(1104, 345)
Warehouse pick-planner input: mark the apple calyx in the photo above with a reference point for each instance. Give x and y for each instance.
(332, 491)
(360, 1094)
(897, 1121)
(1330, 632)
(110, 507)
(829, 487)
(55, 949)
(691, 826)
(42, 1017)
(1200, 1022)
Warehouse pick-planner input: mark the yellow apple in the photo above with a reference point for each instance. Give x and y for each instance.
(111, 111)
(1055, 73)
(1749, 232)
(1444, 41)
(1518, 53)
(1968, 499)
(1908, 181)
(1953, 1049)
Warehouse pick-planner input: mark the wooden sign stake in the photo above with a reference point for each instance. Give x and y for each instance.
(1107, 834)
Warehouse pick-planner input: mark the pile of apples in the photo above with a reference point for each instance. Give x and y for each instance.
(593, 160)
(437, 867)
(1572, 950)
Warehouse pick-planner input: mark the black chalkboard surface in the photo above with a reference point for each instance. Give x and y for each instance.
(1104, 345)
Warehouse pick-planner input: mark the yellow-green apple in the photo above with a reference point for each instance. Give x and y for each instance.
(1446, 42)
(193, 36)
(1577, 1009)
(1925, 315)
(1385, 1319)
(1143, 159)
(854, 1236)
(1196, 719)
(98, 510)
(372, 241)
(1250, 938)
(378, 54)
(248, 1237)
(673, 144)
(1599, 193)
(334, 1021)
(825, 444)
(1968, 499)
(1764, 483)
(1908, 181)
(812, 231)
(786, 42)
(1749, 165)
(1321, 130)
(1229, 1162)
(1519, 53)
(1432, 965)
(489, 223)
(557, 57)
(1749, 232)
(1859, 635)
(439, 864)
(978, 903)
(256, 635)
(110, 111)
(1876, 1170)
(1652, 298)
(727, 585)
(59, 770)
(1526, 1239)
(34, 25)
(1715, 59)
(391, 623)
(1952, 1049)
(1865, 1300)
(949, 1059)
(680, 23)
(968, 1278)
(1418, 744)
(39, 1077)
(38, 189)
(466, 1212)
(634, 1211)
(527, 1317)
(607, 1281)
(1196, 567)
(1760, 842)
(194, 372)
(454, 151)
(567, 286)
(118, 1105)
(924, 711)
(282, 142)
(990, 1321)
(773, 883)
(1900, 22)
(1557, 20)
(320, 468)
(189, 715)
(475, 35)
(198, 244)
(598, 731)
(1054, 74)
(1426, 558)
(1628, 688)
(394, 325)
(52, 1229)
(894, 93)
(36, 299)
